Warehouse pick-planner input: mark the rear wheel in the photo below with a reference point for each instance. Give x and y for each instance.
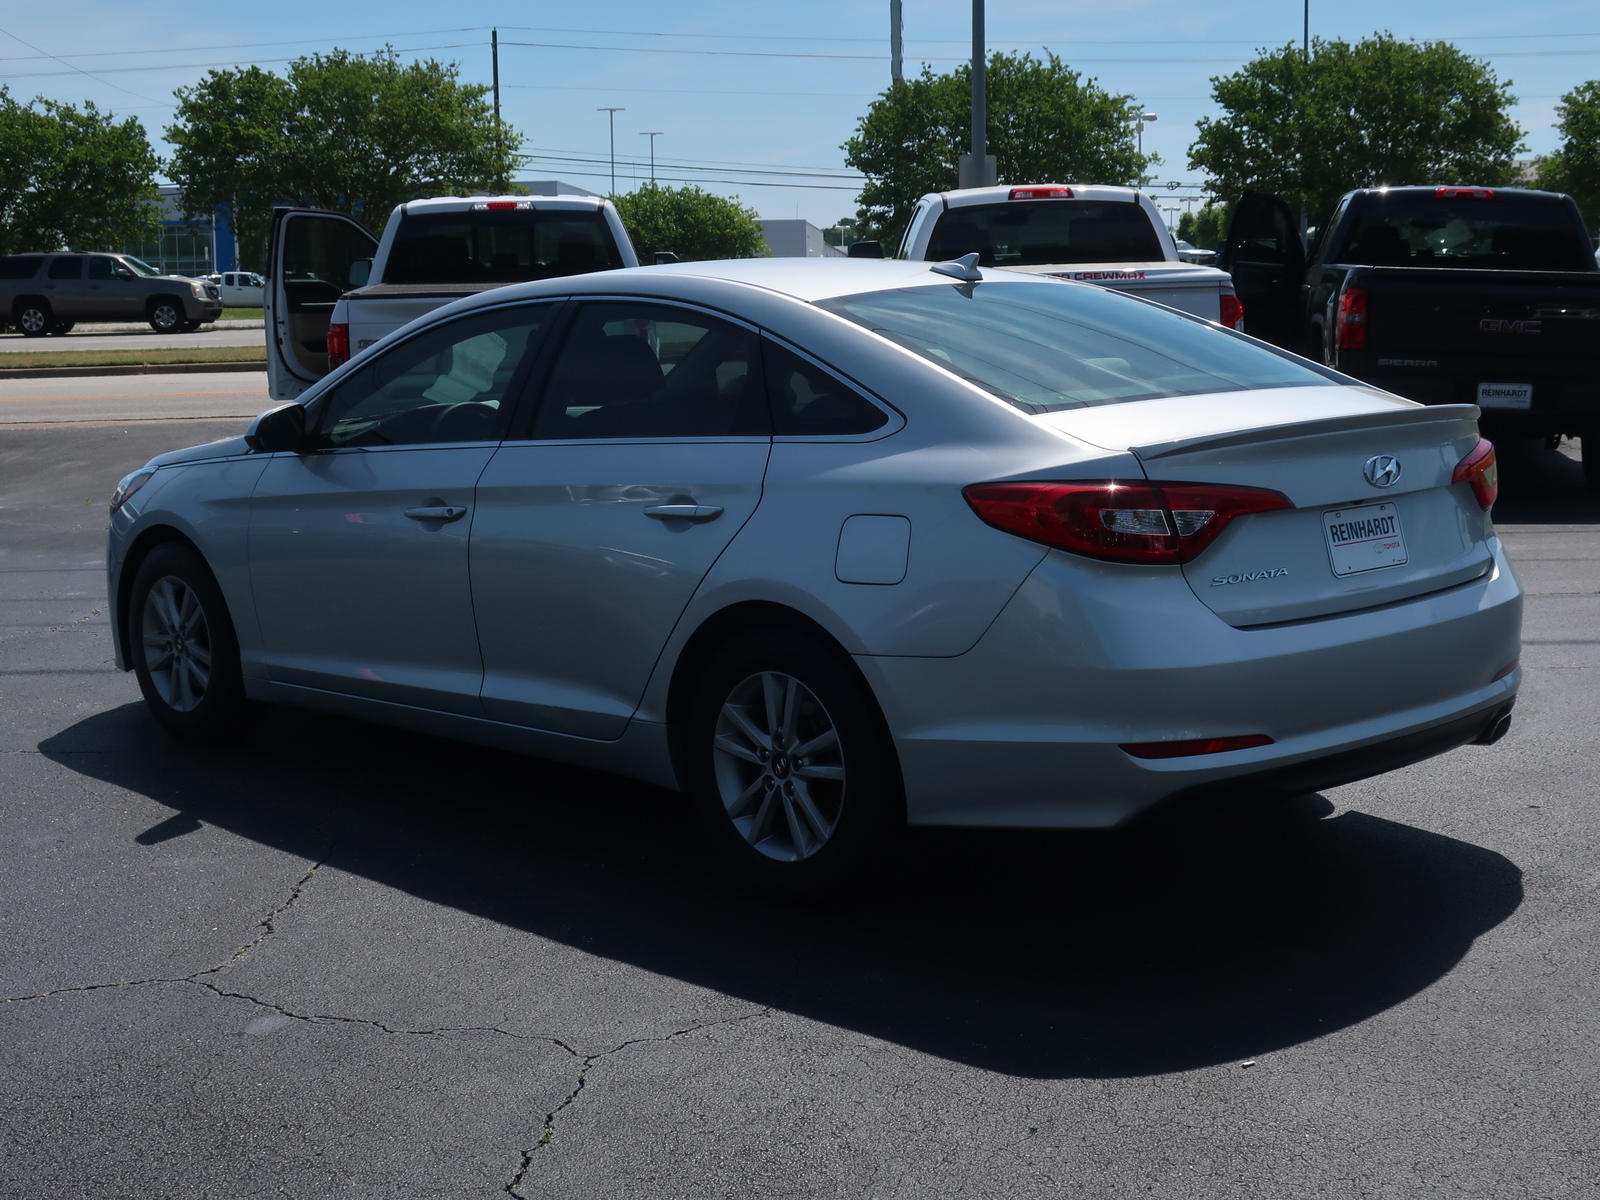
(164, 316)
(34, 319)
(185, 653)
(792, 765)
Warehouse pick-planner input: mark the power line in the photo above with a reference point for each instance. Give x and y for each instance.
(248, 45)
(77, 70)
(231, 62)
(739, 170)
(559, 87)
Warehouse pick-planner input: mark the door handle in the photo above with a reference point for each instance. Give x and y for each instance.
(696, 514)
(444, 513)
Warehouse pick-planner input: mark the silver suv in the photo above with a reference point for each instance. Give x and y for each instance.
(50, 293)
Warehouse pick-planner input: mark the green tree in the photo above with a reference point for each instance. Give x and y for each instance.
(1046, 124)
(1575, 167)
(349, 132)
(72, 177)
(691, 223)
(1375, 112)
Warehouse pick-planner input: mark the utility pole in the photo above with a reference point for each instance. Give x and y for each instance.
(978, 167)
(494, 53)
(611, 115)
(1308, 28)
(895, 46)
(652, 134)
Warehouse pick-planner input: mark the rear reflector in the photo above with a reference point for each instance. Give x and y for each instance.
(1197, 746)
(1463, 193)
(1041, 193)
(1350, 326)
(338, 345)
(1232, 312)
(1135, 522)
(1480, 469)
(1505, 670)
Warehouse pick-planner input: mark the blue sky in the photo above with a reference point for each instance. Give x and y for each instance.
(738, 89)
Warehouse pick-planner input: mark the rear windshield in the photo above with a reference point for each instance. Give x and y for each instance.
(20, 266)
(499, 247)
(1045, 347)
(1503, 233)
(1030, 233)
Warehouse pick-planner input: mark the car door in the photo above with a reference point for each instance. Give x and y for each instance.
(358, 545)
(308, 261)
(117, 297)
(1266, 256)
(596, 523)
(63, 287)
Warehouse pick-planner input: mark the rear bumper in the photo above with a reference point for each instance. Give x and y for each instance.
(1024, 730)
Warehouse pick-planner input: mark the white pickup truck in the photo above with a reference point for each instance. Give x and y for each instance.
(334, 288)
(1111, 236)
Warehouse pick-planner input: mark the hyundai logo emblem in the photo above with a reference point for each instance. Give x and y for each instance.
(1382, 470)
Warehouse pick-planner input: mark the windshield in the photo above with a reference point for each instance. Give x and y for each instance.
(1031, 233)
(138, 267)
(1503, 233)
(1045, 347)
(499, 247)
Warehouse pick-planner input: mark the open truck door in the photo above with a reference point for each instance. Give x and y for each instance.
(310, 260)
(1266, 256)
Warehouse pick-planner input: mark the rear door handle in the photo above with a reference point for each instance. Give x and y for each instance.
(697, 514)
(446, 513)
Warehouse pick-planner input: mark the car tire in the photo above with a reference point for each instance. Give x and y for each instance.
(165, 316)
(184, 650)
(1590, 444)
(811, 826)
(33, 318)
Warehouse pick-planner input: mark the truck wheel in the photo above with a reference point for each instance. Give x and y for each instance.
(33, 318)
(164, 316)
(1591, 458)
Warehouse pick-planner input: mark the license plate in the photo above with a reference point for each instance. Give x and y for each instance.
(1505, 395)
(1364, 539)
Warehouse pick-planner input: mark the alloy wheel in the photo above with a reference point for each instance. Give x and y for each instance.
(779, 766)
(177, 644)
(165, 318)
(32, 320)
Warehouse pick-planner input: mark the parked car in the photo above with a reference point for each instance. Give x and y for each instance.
(836, 545)
(1445, 295)
(1110, 236)
(239, 289)
(336, 289)
(1190, 253)
(50, 293)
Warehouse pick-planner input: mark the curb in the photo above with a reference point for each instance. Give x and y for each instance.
(136, 369)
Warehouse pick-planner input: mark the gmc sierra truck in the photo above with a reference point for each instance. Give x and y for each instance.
(1441, 294)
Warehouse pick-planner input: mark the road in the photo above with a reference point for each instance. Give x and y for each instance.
(339, 961)
(87, 337)
(133, 397)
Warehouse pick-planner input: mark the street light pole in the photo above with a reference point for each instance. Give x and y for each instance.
(894, 41)
(1308, 27)
(980, 99)
(611, 114)
(494, 52)
(652, 134)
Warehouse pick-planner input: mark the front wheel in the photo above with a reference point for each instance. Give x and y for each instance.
(185, 653)
(792, 764)
(165, 317)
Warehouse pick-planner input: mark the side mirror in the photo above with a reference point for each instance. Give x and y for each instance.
(665, 256)
(360, 272)
(865, 250)
(281, 428)
(123, 273)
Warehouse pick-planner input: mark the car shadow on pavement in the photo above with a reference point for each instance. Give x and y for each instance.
(1192, 940)
(1543, 486)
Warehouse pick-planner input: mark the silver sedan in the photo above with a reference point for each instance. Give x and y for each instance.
(836, 546)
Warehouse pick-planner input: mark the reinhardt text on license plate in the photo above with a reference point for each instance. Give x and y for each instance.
(1364, 539)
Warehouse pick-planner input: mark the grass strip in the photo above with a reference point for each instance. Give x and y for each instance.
(22, 359)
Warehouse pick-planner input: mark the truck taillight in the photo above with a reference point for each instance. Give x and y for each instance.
(1480, 469)
(1041, 193)
(502, 206)
(1232, 312)
(338, 345)
(1350, 326)
(1463, 193)
(1136, 522)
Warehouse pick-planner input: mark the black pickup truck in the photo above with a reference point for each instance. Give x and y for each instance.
(1445, 295)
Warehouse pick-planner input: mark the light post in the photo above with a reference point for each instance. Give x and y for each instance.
(652, 134)
(611, 114)
(1140, 119)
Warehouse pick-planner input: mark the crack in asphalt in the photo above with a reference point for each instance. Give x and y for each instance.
(62, 628)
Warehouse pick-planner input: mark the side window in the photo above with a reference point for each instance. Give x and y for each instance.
(651, 370)
(453, 383)
(101, 268)
(808, 401)
(67, 266)
(20, 266)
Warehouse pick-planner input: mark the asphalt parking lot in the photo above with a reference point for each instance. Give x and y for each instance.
(341, 961)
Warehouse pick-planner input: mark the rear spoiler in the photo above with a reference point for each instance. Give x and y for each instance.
(1420, 415)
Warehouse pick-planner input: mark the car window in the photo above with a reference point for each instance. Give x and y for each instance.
(1498, 233)
(499, 247)
(20, 266)
(67, 266)
(452, 383)
(138, 266)
(102, 268)
(1023, 233)
(808, 401)
(1050, 346)
(649, 370)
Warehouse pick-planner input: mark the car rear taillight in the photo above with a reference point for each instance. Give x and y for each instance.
(1480, 469)
(1194, 746)
(1041, 193)
(1463, 193)
(338, 345)
(1121, 522)
(1350, 327)
(1232, 312)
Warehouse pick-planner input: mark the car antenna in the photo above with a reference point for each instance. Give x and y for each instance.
(964, 268)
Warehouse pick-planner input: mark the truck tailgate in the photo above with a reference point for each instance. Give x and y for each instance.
(1182, 286)
(375, 312)
(1495, 314)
